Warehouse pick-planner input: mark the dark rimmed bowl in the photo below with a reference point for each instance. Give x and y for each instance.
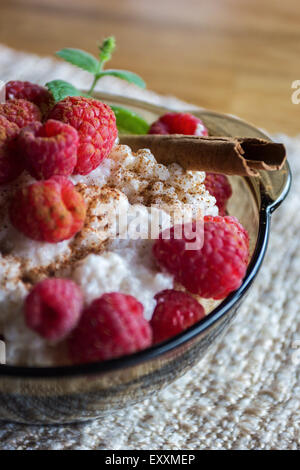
(78, 393)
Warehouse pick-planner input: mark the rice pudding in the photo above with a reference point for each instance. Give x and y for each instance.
(97, 258)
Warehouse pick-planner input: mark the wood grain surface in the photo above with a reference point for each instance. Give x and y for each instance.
(235, 56)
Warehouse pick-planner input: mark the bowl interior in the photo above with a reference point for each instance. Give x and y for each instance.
(249, 196)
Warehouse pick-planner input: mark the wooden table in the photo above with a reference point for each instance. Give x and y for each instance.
(235, 56)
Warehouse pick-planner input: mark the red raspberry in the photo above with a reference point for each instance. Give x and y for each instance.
(10, 166)
(49, 149)
(96, 126)
(218, 186)
(175, 312)
(217, 268)
(53, 308)
(238, 229)
(178, 123)
(111, 326)
(48, 211)
(21, 112)
(37, 94)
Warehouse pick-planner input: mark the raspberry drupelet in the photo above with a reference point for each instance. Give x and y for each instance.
(53, 308)
(214, 270)
(175, 312)
(48, 149)
(48, 211)
(10, 164)
(96, 126)
(112, 326)
(20, 112)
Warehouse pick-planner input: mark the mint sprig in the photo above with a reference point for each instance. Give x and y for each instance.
(85, 61)
(124, 75)
(60, 89)
(127, 121)
(106, 49)
(81, 59)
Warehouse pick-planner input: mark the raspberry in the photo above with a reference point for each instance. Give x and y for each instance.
(96, 126)
(112, 326)
(10, 166)
(239, 231)
(21, 112)
(37, 94)
(219, 187)
(178, 123)
(175, 312)
(53, 308)
(48, 211)
(49, 149)
(217, 268)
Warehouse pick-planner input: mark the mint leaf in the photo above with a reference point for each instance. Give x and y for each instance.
(80, 58)
(129, 122)
(106, 49)
(124, 75)
(61, 89)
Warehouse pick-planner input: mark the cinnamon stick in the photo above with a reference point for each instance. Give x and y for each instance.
(231, 156)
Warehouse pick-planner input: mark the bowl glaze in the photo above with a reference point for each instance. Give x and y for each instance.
(36, 395)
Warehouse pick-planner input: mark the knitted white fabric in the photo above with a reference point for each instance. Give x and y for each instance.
(245, 394)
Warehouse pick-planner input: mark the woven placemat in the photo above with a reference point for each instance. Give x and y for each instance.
(245, 394)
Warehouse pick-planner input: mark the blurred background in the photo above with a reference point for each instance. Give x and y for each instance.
(234, 56)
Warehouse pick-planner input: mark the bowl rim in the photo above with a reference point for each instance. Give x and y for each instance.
(101, 367)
